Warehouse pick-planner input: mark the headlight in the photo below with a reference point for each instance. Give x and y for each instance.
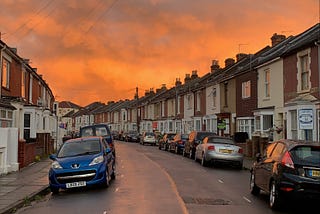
(56, 165)
(97, 160)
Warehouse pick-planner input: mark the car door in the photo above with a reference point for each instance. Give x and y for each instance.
(262, 166)
(200, 148)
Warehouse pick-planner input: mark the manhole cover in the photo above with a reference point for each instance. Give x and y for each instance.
(206, 201)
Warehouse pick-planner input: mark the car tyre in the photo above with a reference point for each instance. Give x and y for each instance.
(176, 150)
(254, 189)
(107, 181)
(113, 175)
(274, 199)
(54, 190)
(190, 154)
(183, 153)
(204, 163)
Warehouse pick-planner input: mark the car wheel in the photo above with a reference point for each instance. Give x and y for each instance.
(190, 154)
(54, 190)
(203, 161)
(107, 181)
(253, 187)
(274, 199)
(176, 150)
(183, 152)
(113, 175)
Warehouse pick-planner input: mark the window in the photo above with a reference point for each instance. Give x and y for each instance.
(6, 117)
(246, 89)
(27, 122)
(23, 84)
(5, 73)
(198, 125)
(226, 94)
(267, 122)
(257, 123)
(246, 125)
(294, 122)
(198, 101)
(304, 72)
(214, 97)
(267, 83)
(178, 107)
(189, 101)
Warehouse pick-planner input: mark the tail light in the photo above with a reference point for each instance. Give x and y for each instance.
(287, 160)
(180, 141)
(211, 148)
(240, 151)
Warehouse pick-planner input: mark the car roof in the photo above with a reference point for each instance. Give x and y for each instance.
(293, 143)
(87, 138)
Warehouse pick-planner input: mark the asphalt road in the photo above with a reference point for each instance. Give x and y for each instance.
(150, 180)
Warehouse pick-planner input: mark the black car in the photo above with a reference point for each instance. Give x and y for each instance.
(195, 137)
(287, 170)
(132, 136)
(166, 140)
(99, 130)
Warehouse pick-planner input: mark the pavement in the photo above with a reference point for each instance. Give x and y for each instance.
(22, 187)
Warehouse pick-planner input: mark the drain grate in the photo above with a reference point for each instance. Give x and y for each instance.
(205, 201)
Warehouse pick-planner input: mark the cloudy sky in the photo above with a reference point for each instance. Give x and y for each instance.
(101, 50)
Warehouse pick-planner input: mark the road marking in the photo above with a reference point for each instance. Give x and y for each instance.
(122, 176)
(247, 199)
(173, 185)
(117, 189)
(104, 212)
(220, 181)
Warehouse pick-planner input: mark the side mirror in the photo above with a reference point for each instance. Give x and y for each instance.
(53, 157)
(108, 150)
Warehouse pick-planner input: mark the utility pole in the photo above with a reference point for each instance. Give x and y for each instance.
(138, 115)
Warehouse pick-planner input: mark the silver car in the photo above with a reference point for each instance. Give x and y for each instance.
(217, 149)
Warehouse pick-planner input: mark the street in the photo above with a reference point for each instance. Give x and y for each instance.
(150, 180)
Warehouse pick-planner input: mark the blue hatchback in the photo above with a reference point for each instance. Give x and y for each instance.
(82, 162)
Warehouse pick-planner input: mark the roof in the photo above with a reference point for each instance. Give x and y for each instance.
(68, 104)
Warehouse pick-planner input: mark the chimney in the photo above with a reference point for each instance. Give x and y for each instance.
(178, 82)
(228, 62)
(187, 78)
(214, 66)
(277, 38)
(240, 56)
(194, 74)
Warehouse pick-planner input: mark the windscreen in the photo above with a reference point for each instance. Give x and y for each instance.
(76, 148)
(306, 155)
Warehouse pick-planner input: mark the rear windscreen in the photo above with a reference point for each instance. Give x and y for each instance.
(306, 155)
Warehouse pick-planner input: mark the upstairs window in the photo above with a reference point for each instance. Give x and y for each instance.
(5, 73)
(303, 67)
(267, 83)
(246, 89)
(304, 72)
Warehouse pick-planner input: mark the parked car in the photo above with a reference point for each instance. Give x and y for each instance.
(288, 169)
(132, 136)
(148, 138)
(99, 130)
(177, 144)
(165, 142)
(82, 162)
(195, 137)
(217, 149)
(115, 135)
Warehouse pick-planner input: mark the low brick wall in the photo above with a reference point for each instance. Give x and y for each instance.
(27, 152)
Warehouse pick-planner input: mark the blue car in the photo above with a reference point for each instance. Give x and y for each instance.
(82, 162)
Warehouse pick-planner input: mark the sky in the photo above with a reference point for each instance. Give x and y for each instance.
(102, 50)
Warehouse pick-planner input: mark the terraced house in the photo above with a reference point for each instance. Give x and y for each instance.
(271, 94)
(27, 114)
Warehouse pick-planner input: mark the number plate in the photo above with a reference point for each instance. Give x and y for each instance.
(314, 173)
(225, 151)
(76, 184)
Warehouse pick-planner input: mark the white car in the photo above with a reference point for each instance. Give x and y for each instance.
(148, 138)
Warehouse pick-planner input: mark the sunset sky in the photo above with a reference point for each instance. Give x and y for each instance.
(101, 50)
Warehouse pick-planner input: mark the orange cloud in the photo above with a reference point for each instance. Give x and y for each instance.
(102, 50)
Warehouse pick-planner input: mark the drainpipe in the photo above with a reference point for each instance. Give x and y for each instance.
(317, 43)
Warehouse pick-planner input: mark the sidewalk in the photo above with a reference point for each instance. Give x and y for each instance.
(17, 187)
